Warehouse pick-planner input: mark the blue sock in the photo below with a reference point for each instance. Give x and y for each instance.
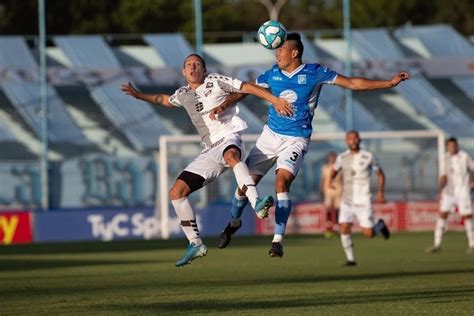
(377, 228)
(238, 206)
(282, 212)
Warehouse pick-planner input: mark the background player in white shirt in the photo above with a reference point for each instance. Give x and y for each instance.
(285, 139)
(220, 139)
(454, 190)
(356, 165)
(331, 190)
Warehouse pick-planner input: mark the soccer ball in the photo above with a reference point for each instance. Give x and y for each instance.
(271, 34)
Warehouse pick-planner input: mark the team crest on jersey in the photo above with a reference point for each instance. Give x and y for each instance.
(289, 95)
(183, 90)
(209, 85)
(301, 79)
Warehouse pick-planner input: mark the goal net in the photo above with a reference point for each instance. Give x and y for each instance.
(411, 161)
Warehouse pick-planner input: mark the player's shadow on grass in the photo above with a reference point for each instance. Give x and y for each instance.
(94, 247)
(445, 294)
(360, 277)
(33, 264)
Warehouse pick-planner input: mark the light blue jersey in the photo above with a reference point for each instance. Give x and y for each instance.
(301, 88)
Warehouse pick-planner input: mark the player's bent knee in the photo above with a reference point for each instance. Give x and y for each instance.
(175, 193)
(368, 232)
(443, 215)
(345, 229)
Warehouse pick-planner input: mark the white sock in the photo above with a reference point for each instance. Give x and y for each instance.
(187, 217)
(469, 232)
(244, 179)
(439, 231)
(346, 241)
(277, 238)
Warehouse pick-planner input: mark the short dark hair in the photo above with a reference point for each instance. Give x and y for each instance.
(196, 55)
(299, 44)
(452, 139)
(353, 131)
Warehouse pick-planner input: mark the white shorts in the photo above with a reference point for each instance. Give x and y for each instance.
(287, 151)
(448, 203)
(364, 214)
(210, 163)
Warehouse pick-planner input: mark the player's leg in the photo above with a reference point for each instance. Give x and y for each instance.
(329, 201)
(345, 229)
(203, 170)
(232, 156)
(446, 205)
(291, 154)
(370, 229)
(239, 201)
(259, 161)
(187, 183)
(465, 210)
(283, 181)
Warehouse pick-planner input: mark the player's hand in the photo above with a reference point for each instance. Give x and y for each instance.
(216, 111)
(130, 90)
(401, 76)
(283, 107)
(379, 197)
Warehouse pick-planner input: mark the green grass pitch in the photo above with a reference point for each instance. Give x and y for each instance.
(393, 277)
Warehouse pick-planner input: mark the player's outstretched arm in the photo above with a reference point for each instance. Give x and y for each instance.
(380, 197)
(281, 105)
(231, 100)
(158, 99)
(359, 83)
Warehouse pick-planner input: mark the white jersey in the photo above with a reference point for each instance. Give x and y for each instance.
(199, 103)
(356, 170)
(456, 168)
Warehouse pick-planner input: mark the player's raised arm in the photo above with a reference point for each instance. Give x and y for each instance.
(157, 99)
(281, 105)
(231, 100)
(360, 83)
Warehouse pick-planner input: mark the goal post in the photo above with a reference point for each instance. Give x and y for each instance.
(176, 151)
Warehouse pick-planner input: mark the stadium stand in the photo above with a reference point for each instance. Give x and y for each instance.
(376, 44)
(14, 53)
(136, 119)
(444, 41)
(173, 48)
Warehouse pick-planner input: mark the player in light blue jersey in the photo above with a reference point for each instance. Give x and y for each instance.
(285, 138)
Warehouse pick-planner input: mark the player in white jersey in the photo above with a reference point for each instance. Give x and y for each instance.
(285, 139)
(356, 166)
(454, 191)
(222, 145)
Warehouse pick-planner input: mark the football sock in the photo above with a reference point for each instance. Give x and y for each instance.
(277, 238)
(377, 228)
(187, 217)
(439, 230)
(237, 208)
(469, 232)
(282, 212)
(245, 182)
(346, 241)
